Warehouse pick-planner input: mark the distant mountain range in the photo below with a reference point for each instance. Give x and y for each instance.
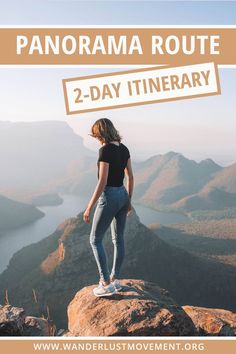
(170, 182)
(37, 155)
(61, 264)
(47, 157)
(218, 193)
(164, 180)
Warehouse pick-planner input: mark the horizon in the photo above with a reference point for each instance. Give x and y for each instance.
(135, 157)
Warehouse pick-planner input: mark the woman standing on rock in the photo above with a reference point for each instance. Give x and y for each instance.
(114, 203)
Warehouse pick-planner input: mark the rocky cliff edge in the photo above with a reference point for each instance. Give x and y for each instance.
(141, 308)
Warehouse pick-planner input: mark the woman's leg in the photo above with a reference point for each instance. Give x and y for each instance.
(117, 232)
(101, 221)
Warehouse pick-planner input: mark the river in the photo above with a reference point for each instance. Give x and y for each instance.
(14, 240)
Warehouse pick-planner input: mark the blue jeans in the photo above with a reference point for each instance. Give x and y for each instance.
(111, 210)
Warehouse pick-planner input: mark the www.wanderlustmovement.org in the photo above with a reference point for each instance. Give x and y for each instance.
(121, 346)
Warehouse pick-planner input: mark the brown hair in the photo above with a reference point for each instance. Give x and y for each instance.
(104, 130)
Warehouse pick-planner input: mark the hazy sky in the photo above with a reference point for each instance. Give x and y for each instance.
(198, 128)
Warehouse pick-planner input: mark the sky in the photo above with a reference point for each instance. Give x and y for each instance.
(198, 128)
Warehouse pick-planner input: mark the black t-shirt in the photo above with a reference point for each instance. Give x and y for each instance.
(117, 157)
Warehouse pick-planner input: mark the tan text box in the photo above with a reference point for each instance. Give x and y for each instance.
(138, 87)
(204, 40)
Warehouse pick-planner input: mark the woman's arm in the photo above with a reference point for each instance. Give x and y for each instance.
(103, 174)
(130, 181)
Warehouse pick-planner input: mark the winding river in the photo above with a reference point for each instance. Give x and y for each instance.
(14, 240)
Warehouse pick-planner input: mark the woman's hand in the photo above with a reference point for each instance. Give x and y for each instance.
(86, 215)
(129, 209)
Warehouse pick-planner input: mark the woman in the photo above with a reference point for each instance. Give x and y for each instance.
(114, 203)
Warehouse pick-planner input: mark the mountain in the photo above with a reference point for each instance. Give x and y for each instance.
(218, 193)
(225, 179)
(56, 267)
(171, 182)
(165, 179)
(207, 199)
(37, 156)
(14, 214)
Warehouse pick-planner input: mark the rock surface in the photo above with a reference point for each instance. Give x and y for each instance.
(14, 322)
(38, 326)
(212, 322)
(11, 320)
(140, 309)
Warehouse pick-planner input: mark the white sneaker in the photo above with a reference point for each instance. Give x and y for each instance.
(104, 290)
(117, 285)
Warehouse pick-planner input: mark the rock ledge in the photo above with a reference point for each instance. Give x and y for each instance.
(140, 309)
